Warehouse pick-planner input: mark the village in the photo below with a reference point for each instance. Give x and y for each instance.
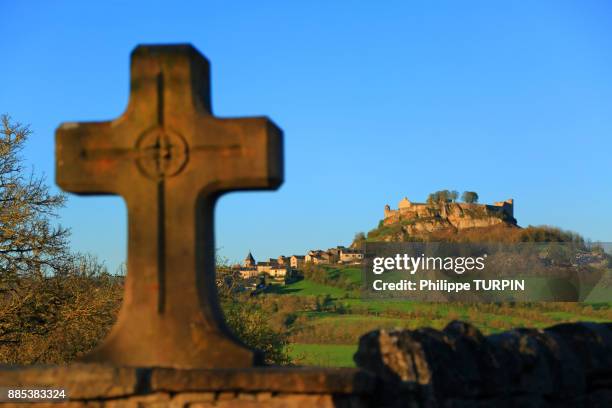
(286, 269)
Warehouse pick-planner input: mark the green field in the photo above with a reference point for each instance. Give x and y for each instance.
(309, 288)
(324, 355)
(326, 320)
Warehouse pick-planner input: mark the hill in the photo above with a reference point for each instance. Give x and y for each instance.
(443, 220)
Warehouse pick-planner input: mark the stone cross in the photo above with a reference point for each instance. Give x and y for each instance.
(170, 159)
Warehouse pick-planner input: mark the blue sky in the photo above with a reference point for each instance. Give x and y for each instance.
(377, 100)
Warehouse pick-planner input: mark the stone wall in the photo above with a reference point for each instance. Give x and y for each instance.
(105, 386)
(568, 365)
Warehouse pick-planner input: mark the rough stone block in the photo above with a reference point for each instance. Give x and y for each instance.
(81, 381)
(267, 379)
(458, 366)
(189, 399)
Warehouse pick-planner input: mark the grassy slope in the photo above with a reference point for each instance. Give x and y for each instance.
(330, 339)
(308, 288)
(325, 355)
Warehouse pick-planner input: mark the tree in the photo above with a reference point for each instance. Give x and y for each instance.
(252, 325)
(358, 240)
(54, 319)
(54, 305)
(453, 195)
(442, 197)
(470, 197)
(248, 321)
(28, 242)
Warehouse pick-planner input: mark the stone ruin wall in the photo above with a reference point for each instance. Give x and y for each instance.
(409, 211)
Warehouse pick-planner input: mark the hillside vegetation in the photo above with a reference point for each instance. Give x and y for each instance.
(502, 233)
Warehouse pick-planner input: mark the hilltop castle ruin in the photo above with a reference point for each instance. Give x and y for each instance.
(428, 216)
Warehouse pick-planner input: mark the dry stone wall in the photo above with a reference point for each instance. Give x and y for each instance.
(568, 365)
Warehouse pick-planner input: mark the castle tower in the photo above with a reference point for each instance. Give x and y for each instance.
(249, 261)
(405, 203)
(507, 206)
(510, 206)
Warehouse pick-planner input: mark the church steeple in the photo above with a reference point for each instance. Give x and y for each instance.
(249, 261)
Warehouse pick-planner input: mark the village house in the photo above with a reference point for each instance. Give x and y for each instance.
(278, 269)
(280, 272)
(334, 254)
(297, 261)
(285, 267)
(339, 254)
(317, 256)
(248, 272)
(350, 255)
(265, 267)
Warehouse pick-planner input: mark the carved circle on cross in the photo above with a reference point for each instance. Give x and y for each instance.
(161, 153)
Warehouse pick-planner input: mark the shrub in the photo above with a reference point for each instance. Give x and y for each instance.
(250, 323)
(54, 319)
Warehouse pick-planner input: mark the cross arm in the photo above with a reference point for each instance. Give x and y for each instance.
(250, 156)
(89, 157)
